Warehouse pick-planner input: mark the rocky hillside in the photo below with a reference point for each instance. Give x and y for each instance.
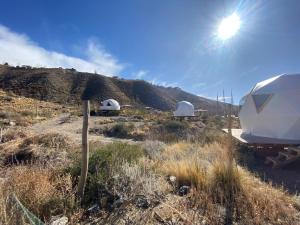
(69, 86)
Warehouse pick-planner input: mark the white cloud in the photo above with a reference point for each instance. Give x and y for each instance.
(18, 49)
(220, 98)
(155, 81)
(139, 74)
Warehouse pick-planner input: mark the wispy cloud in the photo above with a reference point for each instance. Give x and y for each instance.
(139, 74)
(19, 49)
(155, 81)
(213, 85)
(220, 98)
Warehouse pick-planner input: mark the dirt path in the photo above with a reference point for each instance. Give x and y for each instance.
(71, 127)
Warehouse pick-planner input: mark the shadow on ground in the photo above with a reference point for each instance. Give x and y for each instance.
(287, 177)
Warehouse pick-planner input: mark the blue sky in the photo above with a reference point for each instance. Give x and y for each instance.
(170, 42)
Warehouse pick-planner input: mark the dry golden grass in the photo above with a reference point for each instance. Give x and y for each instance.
(245, 198)
(40, 190)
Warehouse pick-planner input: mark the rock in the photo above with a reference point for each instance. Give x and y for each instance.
(118, 203)
(172, 179)
(108, 200)
(12, 123)
(142, 202)
(94, 209)
(59, 221)
(183, 190)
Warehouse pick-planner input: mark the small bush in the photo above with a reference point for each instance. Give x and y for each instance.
(4, 115)
(51, 140)
(12, 134)
(154, 149)
(104, 162)
(120, 130)
(175, 126)
(28, 113)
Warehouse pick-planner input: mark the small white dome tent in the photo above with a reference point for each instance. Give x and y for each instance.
(184, 109)
(110, 105)
(271, 111)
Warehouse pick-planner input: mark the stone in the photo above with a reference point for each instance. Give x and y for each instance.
(59, 221)
(12, 123)
(118, 203)
(93, 209)
(172, 179)
(142, 202)
(184, 190)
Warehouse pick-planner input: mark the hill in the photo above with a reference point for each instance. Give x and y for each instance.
(69, 86)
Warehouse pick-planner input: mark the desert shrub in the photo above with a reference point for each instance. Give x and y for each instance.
(175, 126)
(131, 180)
(12, 134)
(28, 113)
(210, 136)
(4, 115)
(51, 140)
(40, 149)
(42, 191)
(120, 130)
(153, 149)
(104, 162)
(171, 131)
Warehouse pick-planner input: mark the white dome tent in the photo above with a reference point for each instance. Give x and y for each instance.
(110, 105)
(184, 109)
(270, 113)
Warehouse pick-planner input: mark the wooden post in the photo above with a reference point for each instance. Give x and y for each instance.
(85, 149)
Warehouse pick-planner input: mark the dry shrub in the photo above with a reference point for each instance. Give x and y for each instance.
(3, 206)
(153, 149)
(51, 140)
(135, 179)
(120, 130)
(40, 149)
(42, 191)
(105, 162)
(12, 134)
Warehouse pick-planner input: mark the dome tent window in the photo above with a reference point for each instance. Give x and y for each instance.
(110, 105)
(272, 110)
(261, 100)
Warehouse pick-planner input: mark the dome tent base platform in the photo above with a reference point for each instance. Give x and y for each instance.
(277, 152)
(257, 140)
(284, 157)
(188, 118)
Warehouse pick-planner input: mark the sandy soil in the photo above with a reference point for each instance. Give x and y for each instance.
(71, 126)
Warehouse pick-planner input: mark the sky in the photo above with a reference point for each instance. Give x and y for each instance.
(169, 43)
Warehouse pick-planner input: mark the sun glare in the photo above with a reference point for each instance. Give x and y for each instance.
(229, 26)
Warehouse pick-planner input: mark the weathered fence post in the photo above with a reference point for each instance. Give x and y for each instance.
(85, 149)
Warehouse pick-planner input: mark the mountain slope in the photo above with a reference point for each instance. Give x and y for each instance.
(69, 86)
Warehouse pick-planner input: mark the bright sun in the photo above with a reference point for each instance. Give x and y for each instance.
(229, 26)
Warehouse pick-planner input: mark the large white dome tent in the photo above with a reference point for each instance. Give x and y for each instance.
(110, 105)
(270, 113)
(184, 109)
